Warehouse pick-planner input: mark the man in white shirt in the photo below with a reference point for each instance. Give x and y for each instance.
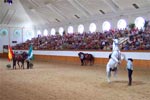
(130, 69)
(81, 56)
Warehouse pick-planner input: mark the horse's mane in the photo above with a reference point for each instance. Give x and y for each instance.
(115, 45)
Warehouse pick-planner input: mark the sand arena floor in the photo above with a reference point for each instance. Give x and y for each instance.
(60, 81)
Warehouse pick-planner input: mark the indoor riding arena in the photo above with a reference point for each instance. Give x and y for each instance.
(74, 49)
(59, 78)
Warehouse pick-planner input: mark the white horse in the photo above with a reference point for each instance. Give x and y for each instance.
(115, 60)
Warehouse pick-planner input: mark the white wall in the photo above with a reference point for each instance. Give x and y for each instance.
(25, 33)
(96, 54)
(99, 21)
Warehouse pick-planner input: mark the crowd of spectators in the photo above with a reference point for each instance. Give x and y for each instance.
(136, 40)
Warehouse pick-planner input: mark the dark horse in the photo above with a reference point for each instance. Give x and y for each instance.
(19, 58)
(86, 58)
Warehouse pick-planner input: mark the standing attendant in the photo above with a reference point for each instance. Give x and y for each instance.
(81, 56)
(14, 61)
(28, 63)
(130, 70)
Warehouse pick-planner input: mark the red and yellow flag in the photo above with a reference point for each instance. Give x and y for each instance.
(10, 53)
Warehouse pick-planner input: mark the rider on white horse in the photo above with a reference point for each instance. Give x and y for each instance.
(114, 60)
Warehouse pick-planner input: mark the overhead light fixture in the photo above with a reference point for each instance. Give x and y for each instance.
(57, 20)
(77, 16)
(135, 6)
(102, 11)
(8, 1)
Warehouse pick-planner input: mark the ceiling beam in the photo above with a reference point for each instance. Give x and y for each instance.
(56, 11)
(112, 4)
(43, 19)
(8, 16)
(3, 15)
(35, 3)
(80, 7)
(31, 13)
(12, 13)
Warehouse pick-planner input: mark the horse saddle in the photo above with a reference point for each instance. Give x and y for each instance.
(87, 55)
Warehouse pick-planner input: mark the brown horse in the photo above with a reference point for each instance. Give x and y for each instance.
(86, 58)
(19, 58)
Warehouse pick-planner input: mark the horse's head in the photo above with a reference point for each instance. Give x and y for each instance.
(115, 44)
(14, 56)
(25, 55)
(80, 53)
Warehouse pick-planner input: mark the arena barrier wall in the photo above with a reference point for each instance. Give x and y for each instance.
(141, 59)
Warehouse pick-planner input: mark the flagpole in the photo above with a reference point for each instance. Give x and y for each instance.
(9, 36)
(10, 54)
(9, 46)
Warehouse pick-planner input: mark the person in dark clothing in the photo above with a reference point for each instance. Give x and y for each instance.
(81, 56)
(14, 62)
(28, 64)
(130, 70)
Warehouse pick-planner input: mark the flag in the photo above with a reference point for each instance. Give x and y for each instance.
(30, 53)
(10, 53)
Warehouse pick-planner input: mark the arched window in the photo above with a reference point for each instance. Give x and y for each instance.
(80, 28)
(17, 33)
(3, 32)
(92, 27)
(39, 33)
(45, 32)
(53, 31)
(106, 26)
(139, 22)
(61, 30)
(121, 24)
(70, 29)
(29, 33)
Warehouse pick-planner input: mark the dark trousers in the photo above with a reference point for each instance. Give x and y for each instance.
(28, 66)
(130, 76)
(14, 64)
(82, 61)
